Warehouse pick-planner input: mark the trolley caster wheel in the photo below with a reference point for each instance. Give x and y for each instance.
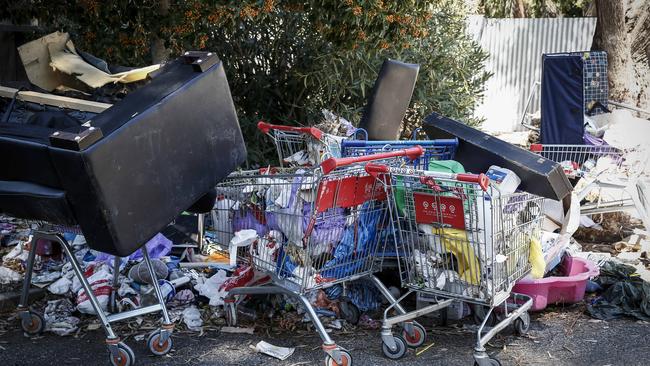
(230, 310)
(346, 359)
(159, 348)
(33, 325)
(350, 312)
(124, 357)
(522, 324)
(418, 337)
(397, 353)
(492, 361)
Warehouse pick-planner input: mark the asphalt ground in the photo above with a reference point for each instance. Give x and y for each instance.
(558, 336)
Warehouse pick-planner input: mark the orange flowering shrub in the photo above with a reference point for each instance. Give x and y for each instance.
(287, 59)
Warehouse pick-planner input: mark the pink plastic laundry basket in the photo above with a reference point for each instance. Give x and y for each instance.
(566, 289)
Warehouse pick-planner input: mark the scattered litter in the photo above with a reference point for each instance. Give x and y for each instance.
(58, 317)
(192, 318)
(8, 276)
(281, 353)
(419, 352)
(237, 330)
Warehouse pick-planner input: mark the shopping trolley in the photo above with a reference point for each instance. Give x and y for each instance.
(603, 168)
(439, 149)
(464, 242)
(302, 146)
(309, 229)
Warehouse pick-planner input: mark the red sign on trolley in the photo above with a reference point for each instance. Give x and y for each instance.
(431, 208)
(348, 192)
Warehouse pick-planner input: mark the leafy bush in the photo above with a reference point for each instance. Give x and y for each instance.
(286, 60)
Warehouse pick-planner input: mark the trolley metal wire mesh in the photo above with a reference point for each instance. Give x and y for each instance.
(578, 160)
(309, 228)
(461, 241)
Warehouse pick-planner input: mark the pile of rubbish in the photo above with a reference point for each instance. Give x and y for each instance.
(193, 285)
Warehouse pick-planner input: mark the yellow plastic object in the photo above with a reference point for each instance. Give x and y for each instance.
(455, 242)
(536, 259)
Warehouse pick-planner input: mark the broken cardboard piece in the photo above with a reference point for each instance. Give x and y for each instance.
(68, 61)
(477, 151)
(52, 61)
(35, 56)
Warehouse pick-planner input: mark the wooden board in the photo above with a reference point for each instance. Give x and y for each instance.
(55, 100)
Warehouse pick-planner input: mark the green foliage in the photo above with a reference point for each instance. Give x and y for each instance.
(534, 8)
(288, 59)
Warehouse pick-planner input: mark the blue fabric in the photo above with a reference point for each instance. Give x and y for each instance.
(350, 256)
(562, 99)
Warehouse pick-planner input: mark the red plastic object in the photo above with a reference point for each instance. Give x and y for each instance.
(536, 147)
(482, 180)
(313, 131)
(566, 289)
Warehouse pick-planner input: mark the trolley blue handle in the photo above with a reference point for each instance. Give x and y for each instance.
(400, 143)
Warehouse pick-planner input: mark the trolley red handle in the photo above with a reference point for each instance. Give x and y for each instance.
(313, 131)
(481, 179)
(536, 147)
(376, 169)
(333, 163)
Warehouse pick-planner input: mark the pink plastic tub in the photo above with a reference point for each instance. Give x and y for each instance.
(559, 289)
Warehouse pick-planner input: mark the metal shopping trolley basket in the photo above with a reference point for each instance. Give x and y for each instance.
(302, 146)
(465, 241)
(610, 176)
(439, 149)
(308, 229)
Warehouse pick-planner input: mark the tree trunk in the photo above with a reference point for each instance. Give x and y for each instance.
(611, 36)
(159, 52)
(623, 30)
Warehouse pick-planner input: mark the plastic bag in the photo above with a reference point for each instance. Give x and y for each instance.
(192, 318)
(159, 246)
(210, 288)
(358, 244)
(100, 284)
(536, 259)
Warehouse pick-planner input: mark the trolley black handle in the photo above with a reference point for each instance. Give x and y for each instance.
(313, 131)
(333, 163)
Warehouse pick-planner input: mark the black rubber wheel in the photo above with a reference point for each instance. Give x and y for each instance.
(158, 349)
(346, 359)
(522, 324)
(231, 314)
(399, 352)
(34, 325)
(350, 312)
(125, 357)
(418, 338)
(493, 362)
(479, 312)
